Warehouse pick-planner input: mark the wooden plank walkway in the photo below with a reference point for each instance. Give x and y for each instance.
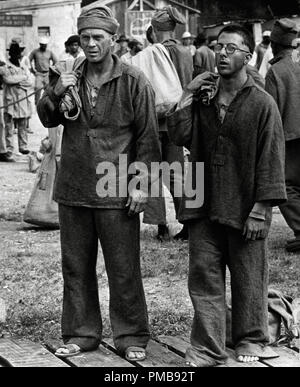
(165, 352)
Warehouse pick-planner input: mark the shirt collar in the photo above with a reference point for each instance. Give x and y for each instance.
(249, 83)
(283, 54)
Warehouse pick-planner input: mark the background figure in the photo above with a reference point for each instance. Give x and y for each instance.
(187, 41)
(261, 48)
(123, 46)
(3, 151)
(135, 46)
(16, 82)
(283, 83)
(162, 31)
(204, 59)
(40, 60)
(265, 65)
(296, 53)
(25, 63)
(72, 48)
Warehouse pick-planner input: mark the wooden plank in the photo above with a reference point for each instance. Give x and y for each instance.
(103, 357)
(288, 358)
(25, 354)
(158, 355)
(180, 344)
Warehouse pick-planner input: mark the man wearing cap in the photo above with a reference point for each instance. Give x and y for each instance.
(123, 46)
(117, 119)
(204, 59)
(187, 42)
(283, 83)
(40, 60)
(72, 48)
(163, 27)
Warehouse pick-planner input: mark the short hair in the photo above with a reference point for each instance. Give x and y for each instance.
(243, 32)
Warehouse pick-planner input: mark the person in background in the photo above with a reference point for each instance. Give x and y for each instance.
(187, 41)
(3, 151)
(41, 59)
(265, 65)
(72, 48)
(164, 23)
(135, 46)
(123, 46)
(17, 82)
(296, 53)
(283, 83)
(25, 63)
(238, 136)
(122, 122)
(204, 59)
(261, 48)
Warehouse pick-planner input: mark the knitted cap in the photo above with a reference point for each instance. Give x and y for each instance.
(100, 17)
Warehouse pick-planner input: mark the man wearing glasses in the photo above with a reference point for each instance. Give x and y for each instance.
(237, 132)
(118, 117)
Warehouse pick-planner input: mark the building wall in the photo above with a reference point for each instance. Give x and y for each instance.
(60, 19)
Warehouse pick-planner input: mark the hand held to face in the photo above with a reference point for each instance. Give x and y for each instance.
(205, 79)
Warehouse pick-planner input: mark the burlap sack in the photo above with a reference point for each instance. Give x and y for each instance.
(41, 209)
(158, 67)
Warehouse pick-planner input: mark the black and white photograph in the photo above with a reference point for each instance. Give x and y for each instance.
(149, 186)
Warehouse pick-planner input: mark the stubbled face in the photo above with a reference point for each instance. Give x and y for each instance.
(230, 64)
(96, 44)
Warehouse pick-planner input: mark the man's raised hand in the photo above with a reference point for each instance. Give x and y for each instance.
(65, 81)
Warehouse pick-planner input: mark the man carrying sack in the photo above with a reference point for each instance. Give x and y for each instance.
(116, 117)
(164, 23)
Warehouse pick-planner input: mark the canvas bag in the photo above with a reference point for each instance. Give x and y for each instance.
(158, 67)
(42, 210)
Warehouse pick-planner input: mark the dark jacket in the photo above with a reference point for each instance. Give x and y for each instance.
(123, 122)
(244, 156)
(283, 83)
(204, 60)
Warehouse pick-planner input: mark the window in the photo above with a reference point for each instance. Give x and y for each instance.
(44, 31)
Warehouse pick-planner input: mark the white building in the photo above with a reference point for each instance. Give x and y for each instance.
(27, 20)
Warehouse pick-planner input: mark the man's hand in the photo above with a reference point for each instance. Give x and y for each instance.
(136, 202)
(255, 229)
(65, 81)
(205, 79)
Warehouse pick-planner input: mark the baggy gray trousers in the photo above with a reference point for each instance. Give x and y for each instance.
(120, 240)
(212, 248)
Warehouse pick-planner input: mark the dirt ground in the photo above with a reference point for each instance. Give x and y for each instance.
(30, 271)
